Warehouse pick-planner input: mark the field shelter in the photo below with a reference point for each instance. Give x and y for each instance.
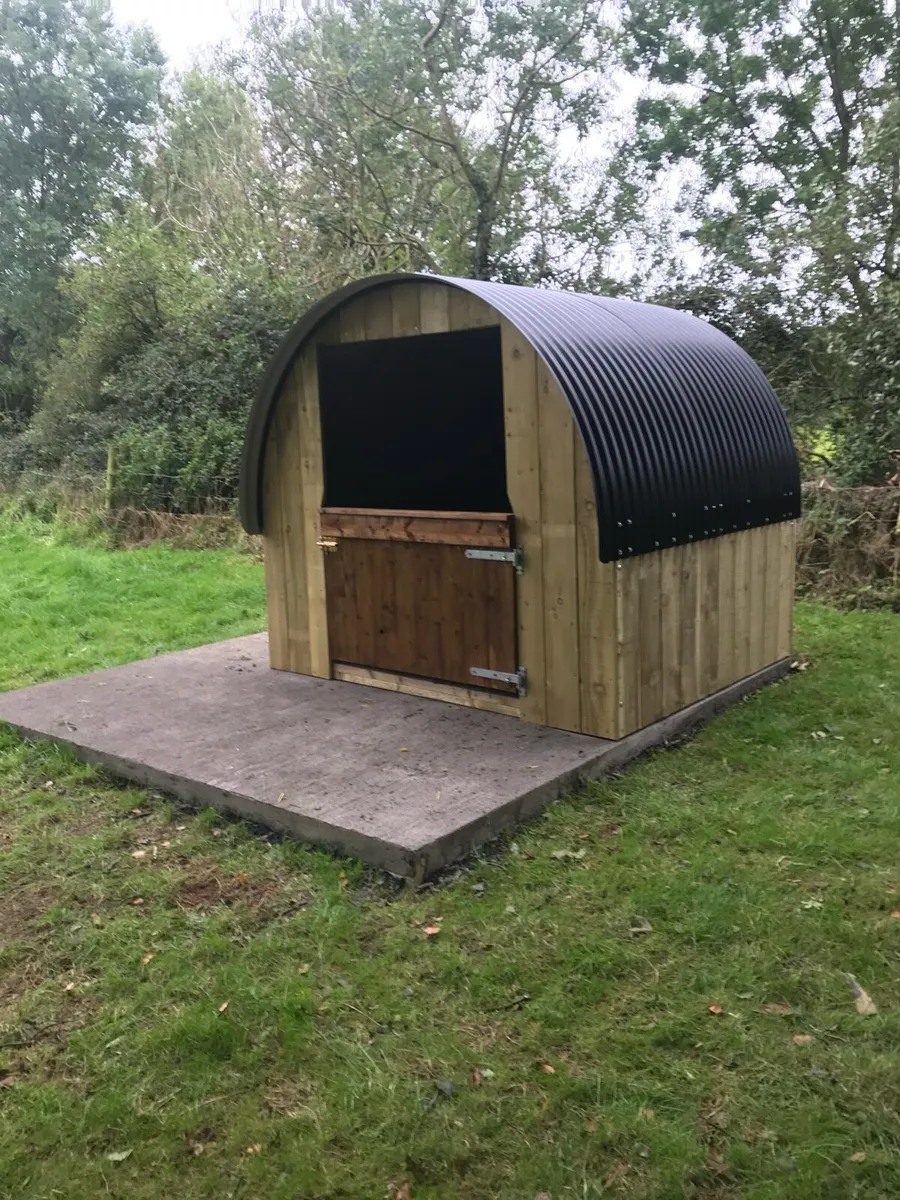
(567, 508)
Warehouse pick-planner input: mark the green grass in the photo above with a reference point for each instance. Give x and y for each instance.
(763, 854)
(68, 608)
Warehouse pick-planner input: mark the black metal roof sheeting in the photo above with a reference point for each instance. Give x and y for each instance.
(685, 437)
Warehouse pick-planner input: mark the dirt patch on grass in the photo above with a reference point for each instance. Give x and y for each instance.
(210, 890)
(18, 911)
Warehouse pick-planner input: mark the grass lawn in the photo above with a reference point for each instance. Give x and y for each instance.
(191, 1009)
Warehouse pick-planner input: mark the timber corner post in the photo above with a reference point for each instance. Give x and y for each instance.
(566, 508)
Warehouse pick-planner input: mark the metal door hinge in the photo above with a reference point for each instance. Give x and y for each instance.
(516, 557)
(520, 678)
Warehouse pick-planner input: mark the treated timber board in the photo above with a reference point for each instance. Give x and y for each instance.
(273, 557)
(771, 608)
(556, 432)
(787, 560)
(742, 612)
(650, 575)
(523, 474)
(378, 314)
(468, 312)
(670, 620)
(708, 620)
(690, 630)
(405, 311)
(489, 530)
(312, 488)
(427, 689)
(290, 479)
(727, 658)
(628, 645)
(596, 612)
(757, 615)
(434, 307)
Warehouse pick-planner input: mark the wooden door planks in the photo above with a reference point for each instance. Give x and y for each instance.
(421, 609)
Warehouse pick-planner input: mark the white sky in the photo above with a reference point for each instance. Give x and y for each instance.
(186, 27)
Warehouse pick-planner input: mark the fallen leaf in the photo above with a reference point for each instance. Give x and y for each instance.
(865, 1005)
(304, 970)
(404, 749)
(777, 1010)
(576, 854)
(256, 1148)
(402, 1191)
(139, 854)
(548, 1070)
(166, 844)
(542, 1196)
(639, 925)
(646, 1114)
(896, 914)
(241, 878)
(96, 919)
(715, 1009)
(432, 930)
(487, 1073)
(583, 837)
(135, 812)
(180, 828)
(222, 1007)
(68, 987)
(802, 1039)
(859, 1156)
(591, 1127)
(808, 904)
(476, 1077)
(146, 958)
(119, 1155)
(197, 1148)
(137, 901)
(7, 1081)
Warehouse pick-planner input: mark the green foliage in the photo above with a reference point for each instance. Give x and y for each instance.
(760, 858)
(432, 139)
(74, 93)
(783, 124)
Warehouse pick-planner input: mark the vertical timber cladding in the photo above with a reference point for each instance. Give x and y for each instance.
(693, 619)
(609, 647)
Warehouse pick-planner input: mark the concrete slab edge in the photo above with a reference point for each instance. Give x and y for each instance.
(420, 862)
(397, 860)
(433, 856)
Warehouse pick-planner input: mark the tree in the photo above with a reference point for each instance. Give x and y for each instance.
(419, 135)
(74, 93)
(781, 121)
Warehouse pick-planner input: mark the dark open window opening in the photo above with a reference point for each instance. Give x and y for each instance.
(415, 423)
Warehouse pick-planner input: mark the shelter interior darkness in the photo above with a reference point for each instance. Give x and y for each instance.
(415, 423)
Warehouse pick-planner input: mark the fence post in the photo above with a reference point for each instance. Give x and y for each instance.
(110, 477)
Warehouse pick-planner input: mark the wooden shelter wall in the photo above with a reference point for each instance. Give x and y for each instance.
(609, 647)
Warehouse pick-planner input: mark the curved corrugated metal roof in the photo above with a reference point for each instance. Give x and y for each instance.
(685, 437)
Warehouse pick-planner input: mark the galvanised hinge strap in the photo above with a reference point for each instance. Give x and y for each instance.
(515, 557)
(519, 678)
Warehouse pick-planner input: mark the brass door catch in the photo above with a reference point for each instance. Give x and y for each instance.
(328, 544)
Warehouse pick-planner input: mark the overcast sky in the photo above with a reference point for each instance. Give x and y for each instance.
(185, 27)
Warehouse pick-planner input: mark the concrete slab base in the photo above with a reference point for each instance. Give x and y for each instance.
(406, 784)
